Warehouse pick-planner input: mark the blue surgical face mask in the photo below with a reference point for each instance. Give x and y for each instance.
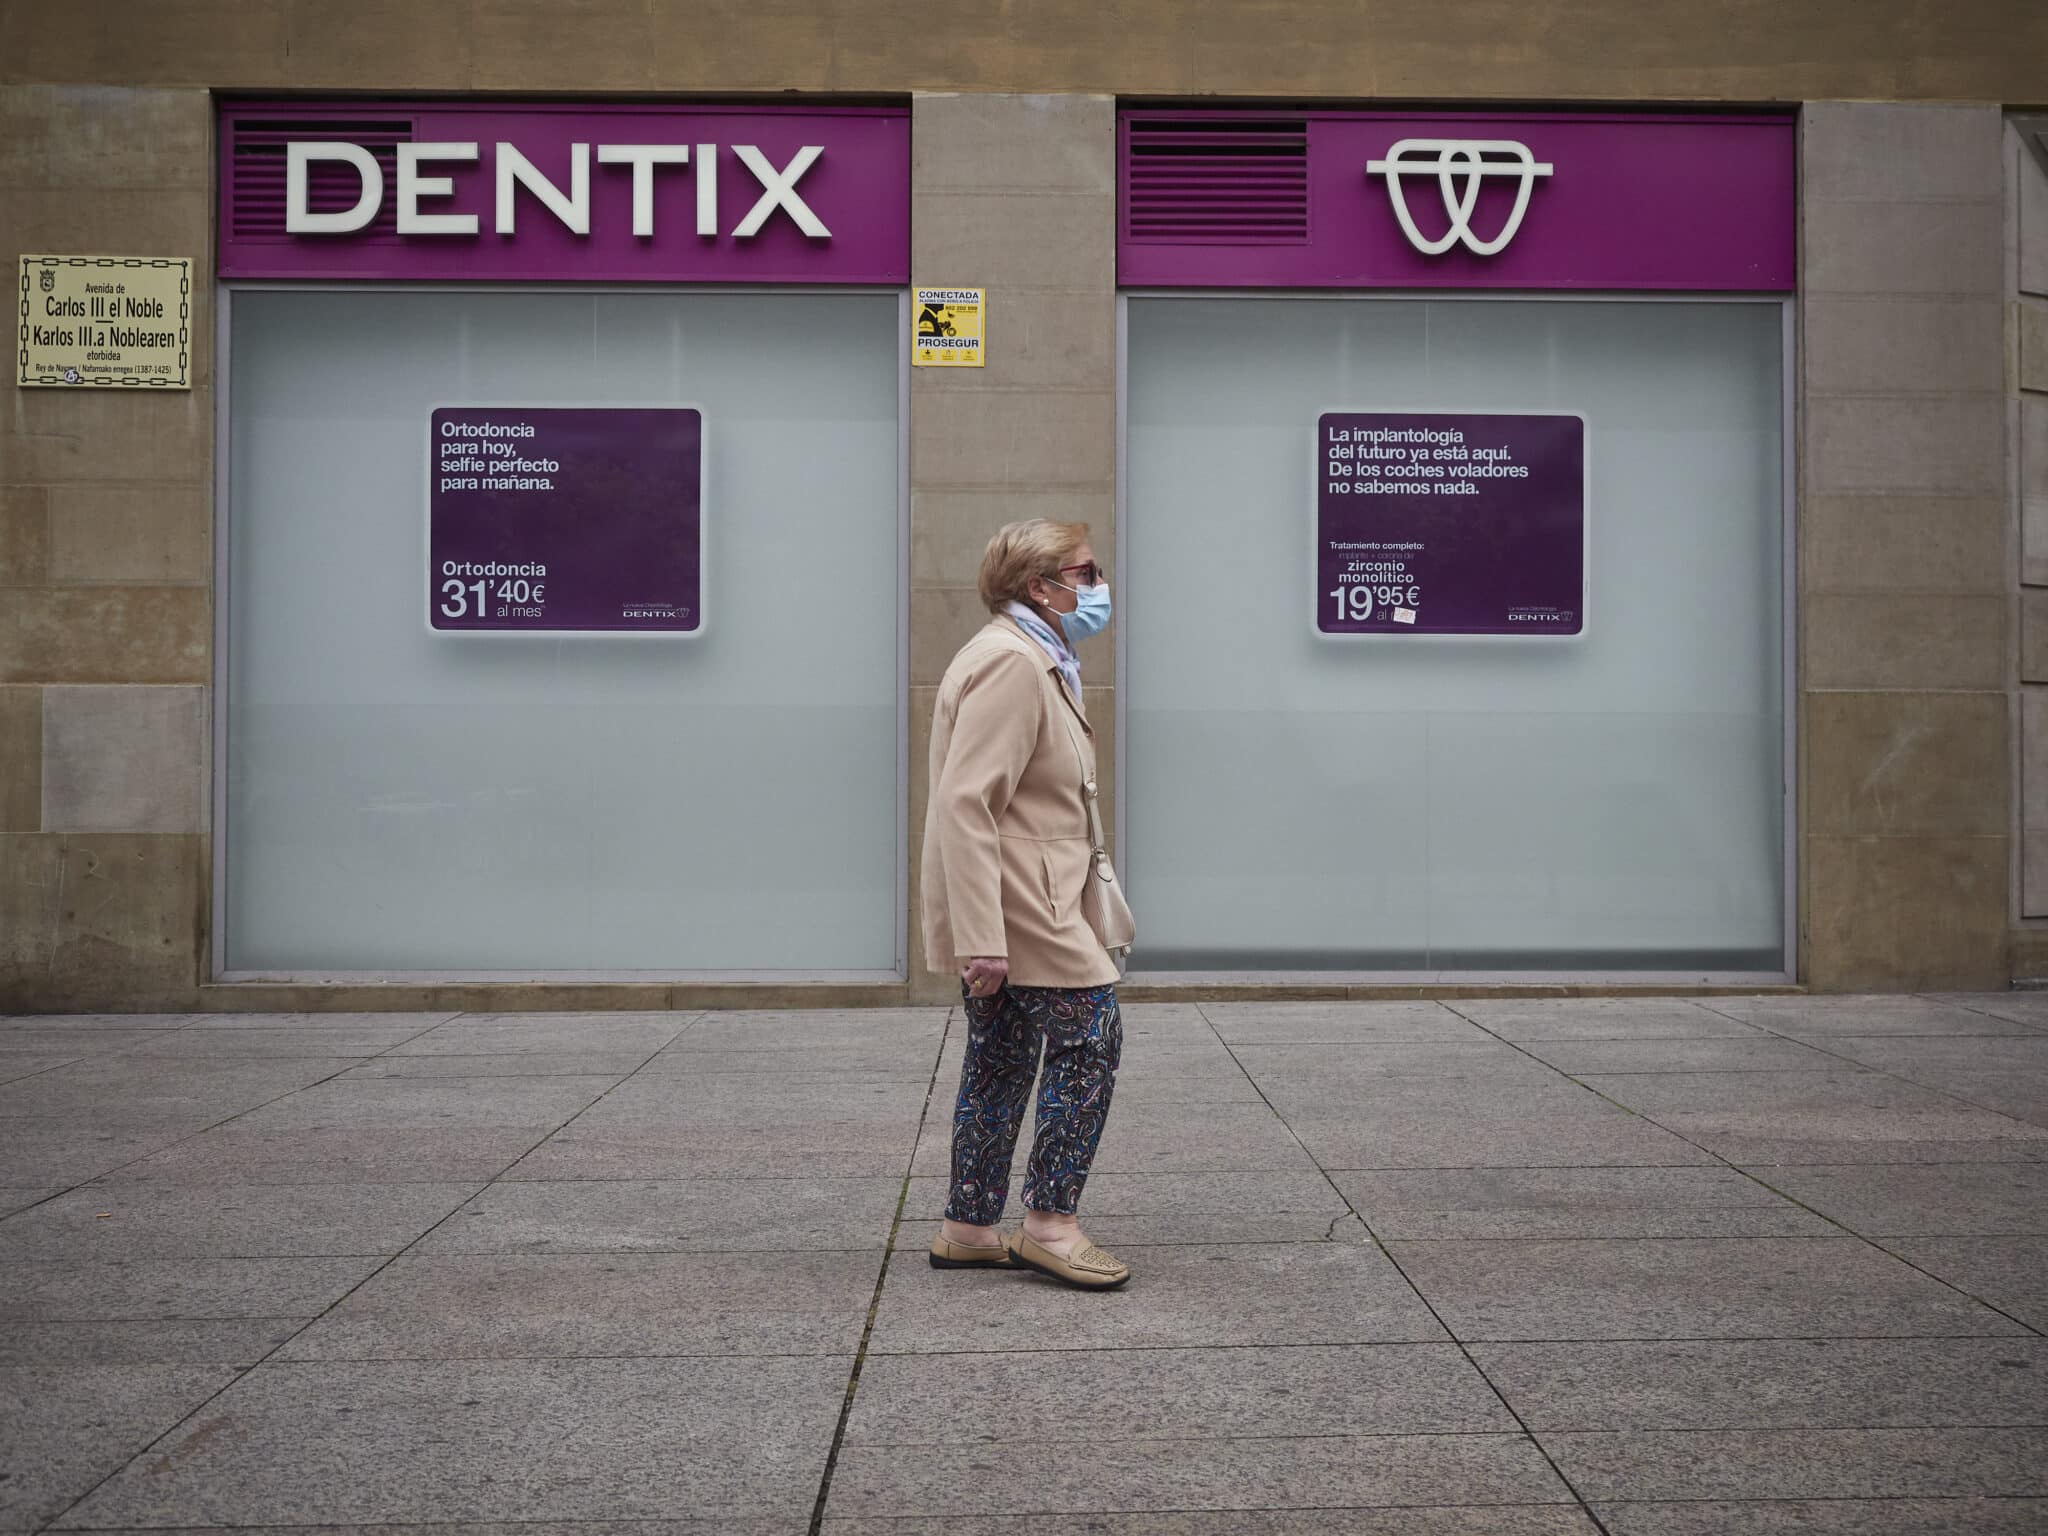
(1091, 616)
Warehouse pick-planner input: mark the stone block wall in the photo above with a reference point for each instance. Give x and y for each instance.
(105, 567)
(1904, 592)
(1016, 194)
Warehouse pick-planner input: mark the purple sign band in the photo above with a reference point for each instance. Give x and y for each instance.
(553, 519)
(1438, 200)
(557, 192)
(1441, 524)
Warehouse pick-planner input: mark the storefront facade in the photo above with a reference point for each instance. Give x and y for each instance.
(1560, 539)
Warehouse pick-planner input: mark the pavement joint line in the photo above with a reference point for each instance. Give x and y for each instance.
(241, 1371)
(1500, 1396)
(881, 1279)
(1457, 1434)
(1577, 1341)
(1820, 1215)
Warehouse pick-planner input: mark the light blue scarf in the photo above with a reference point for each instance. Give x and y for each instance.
(1052, 643)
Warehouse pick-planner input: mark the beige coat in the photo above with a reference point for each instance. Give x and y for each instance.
(1006, 848)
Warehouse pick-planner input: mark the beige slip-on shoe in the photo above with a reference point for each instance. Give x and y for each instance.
(951, 1255)
(1088, 1267)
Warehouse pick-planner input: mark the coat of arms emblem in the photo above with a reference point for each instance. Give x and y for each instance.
(49, 281)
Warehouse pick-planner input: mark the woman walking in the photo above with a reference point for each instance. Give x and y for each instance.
(1020, 901)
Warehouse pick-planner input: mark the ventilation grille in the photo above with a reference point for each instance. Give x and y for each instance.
(1203, 181)
(256, 169)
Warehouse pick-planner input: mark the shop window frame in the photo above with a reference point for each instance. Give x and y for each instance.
(215, 948)
(1793, 968)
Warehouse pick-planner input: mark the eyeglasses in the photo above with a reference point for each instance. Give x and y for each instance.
(1093, 573)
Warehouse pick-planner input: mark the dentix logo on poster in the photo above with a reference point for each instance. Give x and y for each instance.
(415, 184)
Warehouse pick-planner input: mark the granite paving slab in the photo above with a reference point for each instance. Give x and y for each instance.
(1592, 1018)
(17, 1065)
(504, 1034)
(146, 1290)
(21, 1021)
(59, 1151)
(1830, 1517)
(1909, 1056)
(616, 1065)
(1194, 1296)
(647, 1216)
(1573, 1203)
(1175, 1394)
(1843, 1087)
(1144, 1089)
(1804, 1463)
(198, 1341)
(427, 1104)
(828, 1064)
(1771, 1383)
(788, 1525)
(1173, 1195)
(156, 1092)
(1337, 1023)
(205, 1040)
(2022, 1094)
(1958, 1199)
(525, 1306)
(1160, 1138)
(2027, 1007)
(1155, 1208)
(1207, 1228)
(293, 1021)
(1068, 1477)
(679, 1098)
(1477, 1057)
(769, 1148)
(1533, 1092)
(1885, 1015)
(17, 1198)
(1812, 1287)
(64, 1428)
(1420, 1136)
(1822, 1117)
(533, 1441)
(241, 1153)
(2009, 1273)
(1407, 1520)
(1143, 1063)
(802, 1031)
(54, 1035)
(1757, 1053)
(115, 1222)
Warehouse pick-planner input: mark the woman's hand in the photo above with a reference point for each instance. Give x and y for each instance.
(985, 975)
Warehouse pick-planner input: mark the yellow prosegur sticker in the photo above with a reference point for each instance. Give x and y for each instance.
(106, 322)
(949, 327)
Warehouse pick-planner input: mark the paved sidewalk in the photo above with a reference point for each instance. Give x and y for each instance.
(1663, 1268)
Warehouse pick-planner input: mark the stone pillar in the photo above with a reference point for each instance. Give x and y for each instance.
(1904, 589)
(1015, 194)
(2027, 251)
(105, 564)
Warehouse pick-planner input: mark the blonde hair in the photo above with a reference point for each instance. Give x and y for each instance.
(1020, 551)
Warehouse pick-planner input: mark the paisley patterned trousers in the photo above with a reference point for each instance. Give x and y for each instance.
(1083, 1035)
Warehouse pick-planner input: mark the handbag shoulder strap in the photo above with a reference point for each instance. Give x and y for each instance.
(1088, 794)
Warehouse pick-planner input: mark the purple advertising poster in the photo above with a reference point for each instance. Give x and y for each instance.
(1431, 523)
(551, 519)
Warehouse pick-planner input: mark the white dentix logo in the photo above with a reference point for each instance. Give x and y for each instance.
(1460, 167)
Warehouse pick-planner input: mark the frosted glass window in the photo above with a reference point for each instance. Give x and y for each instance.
(1608, 802)
(401, 800)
